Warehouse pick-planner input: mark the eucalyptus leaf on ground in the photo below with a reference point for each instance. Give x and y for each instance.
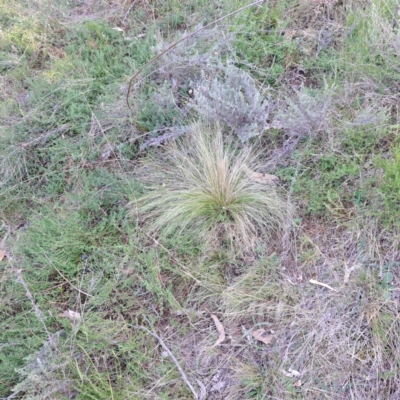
(220, 329)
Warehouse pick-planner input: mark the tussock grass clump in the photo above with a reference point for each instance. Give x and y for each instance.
(203, 189)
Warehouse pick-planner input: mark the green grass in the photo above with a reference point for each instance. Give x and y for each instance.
(93, 221)
(260, 46)
(390, 185)
(331, 181)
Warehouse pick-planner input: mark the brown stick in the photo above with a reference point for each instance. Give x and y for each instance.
(129, 10)
(42, 138)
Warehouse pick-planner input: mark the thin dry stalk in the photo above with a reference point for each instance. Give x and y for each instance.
(38, 312)
(173, 358)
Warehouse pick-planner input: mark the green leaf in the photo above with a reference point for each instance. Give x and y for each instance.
(387, 278)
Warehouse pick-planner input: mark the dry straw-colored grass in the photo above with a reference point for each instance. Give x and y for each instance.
(202, 189)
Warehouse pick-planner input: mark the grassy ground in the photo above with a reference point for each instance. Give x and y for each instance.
(107, 292)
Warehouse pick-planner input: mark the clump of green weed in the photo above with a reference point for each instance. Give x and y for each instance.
(258, 43)
(104, 55)
(84, 361)
(158, 109)
(203, 189)
(21, 333)
(390, 186)
(330, 183)
(68, 235)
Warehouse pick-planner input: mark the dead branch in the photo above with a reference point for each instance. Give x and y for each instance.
(165, 347)
(43, 138)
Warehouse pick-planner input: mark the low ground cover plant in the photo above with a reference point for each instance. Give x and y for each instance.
(147, 256)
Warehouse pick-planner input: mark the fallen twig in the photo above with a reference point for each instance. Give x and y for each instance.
(36, 309)
(129, 10)
(43, 138)
(203, 390)
(165, 347)
(348, 272)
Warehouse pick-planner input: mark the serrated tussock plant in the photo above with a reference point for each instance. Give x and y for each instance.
(202, 189)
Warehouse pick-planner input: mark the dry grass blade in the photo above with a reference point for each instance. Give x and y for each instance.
(314, 282)
(64, 277)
